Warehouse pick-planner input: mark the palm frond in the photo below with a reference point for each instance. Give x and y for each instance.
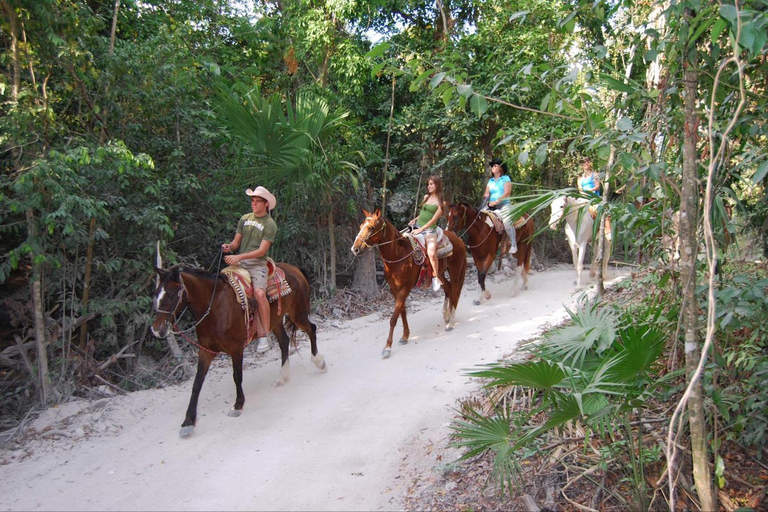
(541, 375)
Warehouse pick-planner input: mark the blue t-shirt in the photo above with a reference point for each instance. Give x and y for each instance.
(589, 183)
(496, 187)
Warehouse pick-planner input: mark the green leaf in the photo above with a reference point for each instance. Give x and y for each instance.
(378, 50)
(718, 28)
(616, 84)
(600, 51)
(729, 12)
(478, 104)
(541, 375)
(523, 158)
(720, 471)
(447, 95)
(377, 69)
(624, 124)
(519, 14)
(541, 155)
(464, 90)
(762, 170)
(436, 79)
(650, 55)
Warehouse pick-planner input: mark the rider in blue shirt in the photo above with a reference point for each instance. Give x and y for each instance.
(497, 193)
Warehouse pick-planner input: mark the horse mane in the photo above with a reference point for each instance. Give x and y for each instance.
(194, 271)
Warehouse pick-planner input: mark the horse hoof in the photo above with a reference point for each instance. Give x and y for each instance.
(525, 287)
(488, 295)
(277, 383)
(186, 431)
(319, 362)
(448, 327)
(386, 353)
(476, 302)
(402, 341)
(235, 413)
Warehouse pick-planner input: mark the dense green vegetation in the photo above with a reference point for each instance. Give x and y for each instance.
(131, 125)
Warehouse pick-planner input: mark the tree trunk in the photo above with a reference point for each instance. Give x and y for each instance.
(36, 289)
(365, 270)
(114, 28)
(332, 245)
(386, 152)
(13, 22)
(87, 281)
(688, 252)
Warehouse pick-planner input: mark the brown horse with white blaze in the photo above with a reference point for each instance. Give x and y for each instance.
(220, 324)
(483, 241)
(402, 271)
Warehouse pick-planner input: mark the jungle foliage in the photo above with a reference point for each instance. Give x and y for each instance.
(131, 125)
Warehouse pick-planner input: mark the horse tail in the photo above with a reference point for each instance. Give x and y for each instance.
(289, 325)
(529, 245)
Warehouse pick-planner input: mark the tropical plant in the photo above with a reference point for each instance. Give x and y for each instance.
(595, 373)
(294, 147)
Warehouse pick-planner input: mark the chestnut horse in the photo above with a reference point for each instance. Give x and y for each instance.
(483, 242)
(402, 272)
(220, 324)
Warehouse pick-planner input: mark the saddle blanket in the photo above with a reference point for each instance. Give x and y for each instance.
(494, 220)
(240, 280)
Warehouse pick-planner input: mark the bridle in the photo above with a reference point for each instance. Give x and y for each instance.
(464, 218)
(364, 241)
(183, 291)
(180, 296)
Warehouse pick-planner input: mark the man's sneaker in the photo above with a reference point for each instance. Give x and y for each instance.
(435, 284)
(263, 345)
(513, 249)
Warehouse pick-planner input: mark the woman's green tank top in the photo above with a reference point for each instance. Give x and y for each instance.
(426, 214)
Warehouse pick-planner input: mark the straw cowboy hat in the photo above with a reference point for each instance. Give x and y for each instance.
(264, 194)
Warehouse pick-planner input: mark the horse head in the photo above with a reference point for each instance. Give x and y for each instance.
(370, 231)
(457, 216)
(558, 208)
(170, 295)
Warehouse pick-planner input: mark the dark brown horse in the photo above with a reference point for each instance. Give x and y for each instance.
(483, 241)
(220, 324)
(402, 272)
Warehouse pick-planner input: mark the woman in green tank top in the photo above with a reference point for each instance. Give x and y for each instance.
(426, 222)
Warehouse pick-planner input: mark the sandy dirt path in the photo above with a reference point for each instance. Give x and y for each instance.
(353, 438)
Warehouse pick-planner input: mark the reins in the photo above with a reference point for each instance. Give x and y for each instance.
(365, 242)
(479, 211)
(183, 334)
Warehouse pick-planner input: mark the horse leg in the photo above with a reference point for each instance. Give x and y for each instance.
(406, 329)
(575, 257)
(203, 363)
(457, 268)
(582, 250)
(311, 331)
(483, 293)
(285, 363)
(482, 272)
(237, 375)
(526, 264)
(399, 311)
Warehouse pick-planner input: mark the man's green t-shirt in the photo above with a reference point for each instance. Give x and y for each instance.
(254, 230)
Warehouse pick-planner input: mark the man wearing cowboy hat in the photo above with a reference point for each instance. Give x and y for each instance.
(497, 194)
(255, 234)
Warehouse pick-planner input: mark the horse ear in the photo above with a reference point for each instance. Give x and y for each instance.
(377, 213)
(366, 212)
